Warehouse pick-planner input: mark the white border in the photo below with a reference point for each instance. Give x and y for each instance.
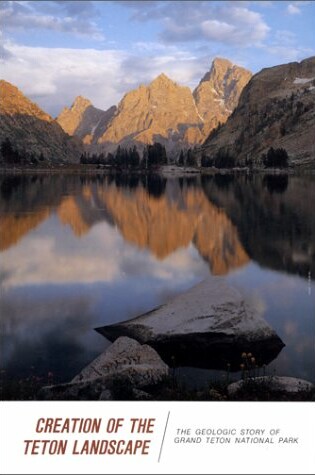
(296, 420)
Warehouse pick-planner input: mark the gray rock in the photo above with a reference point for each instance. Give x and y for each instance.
(208, 326)
(139, 364)
(121, 369)
(140, 395)
(282, 384)
(106, 395)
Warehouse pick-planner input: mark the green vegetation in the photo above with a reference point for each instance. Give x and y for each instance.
(252, 389)
(206, 161)
(222, 159)
(181, 159)
(25, 388)
(11, 155)
(276, 158)
(153, 155)
(171, 388)
(187, 158)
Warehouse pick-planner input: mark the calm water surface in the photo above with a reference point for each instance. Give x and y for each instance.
(83, 252)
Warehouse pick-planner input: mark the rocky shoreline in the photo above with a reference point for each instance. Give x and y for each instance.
(166, 171)
(202, 323)
(130, 371)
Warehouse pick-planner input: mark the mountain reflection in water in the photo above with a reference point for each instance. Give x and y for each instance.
(79, 252)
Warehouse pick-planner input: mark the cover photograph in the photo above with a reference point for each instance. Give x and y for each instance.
(157, 237)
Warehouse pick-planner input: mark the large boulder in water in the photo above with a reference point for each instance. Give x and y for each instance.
(208, 326)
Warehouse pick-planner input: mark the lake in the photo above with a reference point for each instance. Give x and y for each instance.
(80, 252)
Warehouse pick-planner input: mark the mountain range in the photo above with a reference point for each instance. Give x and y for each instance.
(162, 111)
(230, 111)
(275, 109)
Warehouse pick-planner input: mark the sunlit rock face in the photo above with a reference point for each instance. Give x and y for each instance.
(159, 112)
(33, 131)
(208, 326)
(275, 109)
(84, 120)
(218, 92)
(162, 111)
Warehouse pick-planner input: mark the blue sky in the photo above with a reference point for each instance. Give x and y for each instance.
(56, 50)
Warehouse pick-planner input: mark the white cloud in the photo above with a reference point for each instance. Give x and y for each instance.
(231, 23)
(66, 17)
(53, 77)
(216, 30)
(293, 9)
(181, 66)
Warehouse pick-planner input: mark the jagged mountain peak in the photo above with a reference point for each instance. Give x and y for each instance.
(221, 67)
(162, 80)
(162, 110)
(81, 102)
(79, 105)
(276, 109)
(8, 86)
(218, 61)
(32, 130)
(13, 101)
(218, 92)
(84, 120)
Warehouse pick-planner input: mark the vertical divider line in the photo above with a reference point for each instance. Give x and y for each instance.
(168, 415)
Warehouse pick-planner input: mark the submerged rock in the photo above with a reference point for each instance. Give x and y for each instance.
(120, 372)
(208, 326)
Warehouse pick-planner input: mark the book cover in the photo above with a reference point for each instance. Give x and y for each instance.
(157, 237)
